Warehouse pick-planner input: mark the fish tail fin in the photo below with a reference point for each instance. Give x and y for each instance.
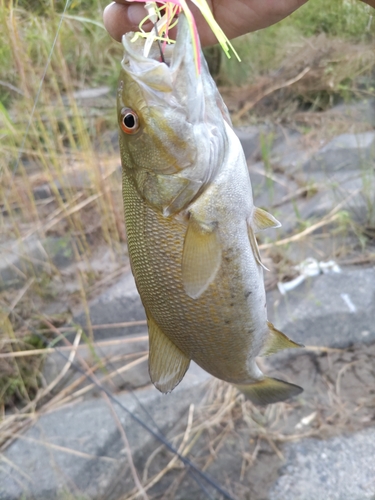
(269, 390)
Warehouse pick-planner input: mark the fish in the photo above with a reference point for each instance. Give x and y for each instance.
(191, 224)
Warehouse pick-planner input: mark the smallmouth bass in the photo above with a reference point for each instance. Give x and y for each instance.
(191, 224)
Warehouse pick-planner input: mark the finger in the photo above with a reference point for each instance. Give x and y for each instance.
(120, 18)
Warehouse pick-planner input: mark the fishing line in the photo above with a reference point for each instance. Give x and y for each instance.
(158, 436)
(195, 472)
(159, 43)
(36, 100)
(148, 414)
(139, 402)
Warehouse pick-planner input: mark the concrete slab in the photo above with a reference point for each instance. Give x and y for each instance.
(334, 310)
(342, 468)
(120, 303)
(78, 449)
(21, 259)
(345, 152)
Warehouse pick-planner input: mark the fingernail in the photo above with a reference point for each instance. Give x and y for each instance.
(136, 13)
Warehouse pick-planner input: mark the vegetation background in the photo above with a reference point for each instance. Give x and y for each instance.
(69, 147)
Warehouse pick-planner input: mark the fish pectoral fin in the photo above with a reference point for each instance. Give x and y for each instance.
(277, 341)
(254, 246)
(201, 257)
(167, 364)
(263, 220)
(269, 390)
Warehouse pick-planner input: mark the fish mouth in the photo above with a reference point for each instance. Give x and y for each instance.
(134, 50)
(171, 56)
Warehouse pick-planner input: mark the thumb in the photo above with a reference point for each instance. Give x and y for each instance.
(120, 17)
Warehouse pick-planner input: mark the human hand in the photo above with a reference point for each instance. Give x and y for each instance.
(236, 17)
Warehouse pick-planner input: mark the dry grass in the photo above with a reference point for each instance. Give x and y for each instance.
(62, 145)
(66, 151)
(61, 391)
(333, 403)
(314, 74)
(57, 146)
(338, 397)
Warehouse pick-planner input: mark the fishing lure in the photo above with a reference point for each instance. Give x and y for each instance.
(164, 16)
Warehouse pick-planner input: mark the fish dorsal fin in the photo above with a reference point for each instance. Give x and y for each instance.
(201, 257)
(263, 220)
(277, 341)
(167, 364)
(269, 390)
(254, 246)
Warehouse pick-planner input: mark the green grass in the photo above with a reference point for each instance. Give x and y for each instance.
(348, 19)
(264, 51)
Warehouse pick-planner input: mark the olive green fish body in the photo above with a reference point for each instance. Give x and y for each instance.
(222, 330)
(191, 226)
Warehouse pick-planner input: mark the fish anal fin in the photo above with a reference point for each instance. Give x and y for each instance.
(263, 220)
(269, 390)
(167, 364)
(254, 246)
(201, 257)
(277, 341)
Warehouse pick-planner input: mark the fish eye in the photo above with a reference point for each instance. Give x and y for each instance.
(129, 121)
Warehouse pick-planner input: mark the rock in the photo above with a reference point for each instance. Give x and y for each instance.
(120, 303)
(335, 310)
(99, 97)
(271, 192)
(352, 190)
(294, 206)
(22, 259)
(342, 468)
(78, 448)
(263, 142)
(91, 94)
(59, 250)
(360, 111)
(342, 172)
(113, 355)
(42, 192)
(77, 177)
(292, 160)
(345, 152)
(249, 138)
(270, 188)
(284, 141)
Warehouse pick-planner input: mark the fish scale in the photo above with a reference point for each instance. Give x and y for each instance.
(191, 226)
(191, 324)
